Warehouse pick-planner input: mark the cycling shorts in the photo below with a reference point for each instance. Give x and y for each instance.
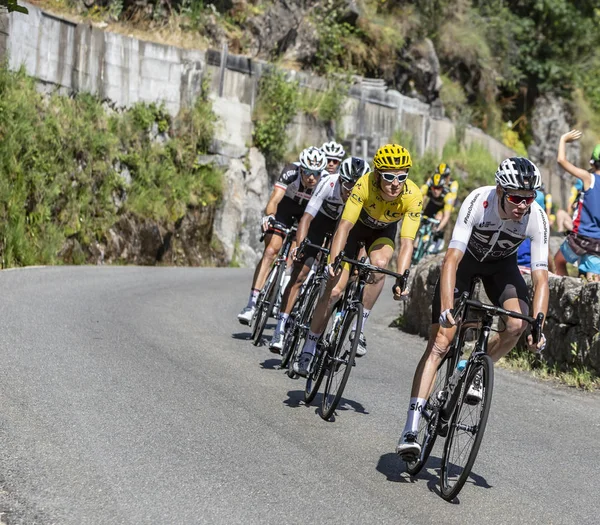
(432, 209)
(320, 226)
(501, 280)
(288, 211)
(370, 237)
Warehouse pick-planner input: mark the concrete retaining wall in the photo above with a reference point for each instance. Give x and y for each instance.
(80, 57)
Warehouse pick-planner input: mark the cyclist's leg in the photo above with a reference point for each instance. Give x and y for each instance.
(505, 287)
(437, 347)
(333, 292)
(380, 249)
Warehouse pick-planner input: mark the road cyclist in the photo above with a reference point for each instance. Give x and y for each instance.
(319, 219)
(287, 202)
(492, 222)
(379, 201)
(441, 192)
(334, 153)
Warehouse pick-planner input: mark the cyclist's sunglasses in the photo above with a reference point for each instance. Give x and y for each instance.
(518, 199)
(331, 160)
(307, 173)
(391, 177)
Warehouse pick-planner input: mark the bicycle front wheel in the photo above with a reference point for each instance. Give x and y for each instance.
(428, 424)
(264, 308)
(315, 378)
(297, 336)
(466, 428)
(342, 361)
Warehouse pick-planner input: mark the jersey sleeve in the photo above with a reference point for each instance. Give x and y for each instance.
(322, 191)
(424, 189)
(538, 231)
(449, 201)
(288, 175)
(469, 215)
(355, 202)
(412, 217)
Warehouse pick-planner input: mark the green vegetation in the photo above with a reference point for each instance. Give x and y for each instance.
(575, 375)
(69, 168)
(496, 56)
(474, 161)
(276, 106)
(13, 5)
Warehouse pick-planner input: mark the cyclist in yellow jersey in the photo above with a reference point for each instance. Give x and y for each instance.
(379, 201)
(441, 191)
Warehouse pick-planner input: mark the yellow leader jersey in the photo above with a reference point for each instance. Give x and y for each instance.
(367, 205)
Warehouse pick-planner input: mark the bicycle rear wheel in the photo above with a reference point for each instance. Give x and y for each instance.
(297, 335)
(342, 361)
(315, 378)
(466, 429)
(428, 424)
(263, 310)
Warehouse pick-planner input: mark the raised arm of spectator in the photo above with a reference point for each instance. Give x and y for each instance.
(584, 175)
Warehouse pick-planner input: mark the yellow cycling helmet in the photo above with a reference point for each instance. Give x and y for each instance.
(436, 181)
(443, 169)
(392, 157)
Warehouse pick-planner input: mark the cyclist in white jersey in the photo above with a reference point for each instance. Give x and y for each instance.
(293, 189)
(493, 221)
(320, 218)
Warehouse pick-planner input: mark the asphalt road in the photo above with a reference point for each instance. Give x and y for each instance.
(131, 395)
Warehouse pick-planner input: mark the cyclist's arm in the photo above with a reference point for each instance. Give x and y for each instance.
(339, 239)
(583, 175)
(276, 195)
(445, 219)
(448, 277)
(303, 227)
(424, 189)
(541, 292)
(404, 255)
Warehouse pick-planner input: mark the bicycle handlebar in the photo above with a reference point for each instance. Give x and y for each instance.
(276, 226)
(307, 244)
(535, 322)
(400, 278)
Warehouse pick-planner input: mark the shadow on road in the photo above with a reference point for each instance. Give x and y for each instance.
(242, 336)
(296, 398)
(394, 468)
(271, 364)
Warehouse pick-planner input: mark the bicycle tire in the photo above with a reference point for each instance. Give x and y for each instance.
(341, 358)
(259, 301)
(264, 311)
(462, 424)
(428, 424)
(300, 330)
(315, 378)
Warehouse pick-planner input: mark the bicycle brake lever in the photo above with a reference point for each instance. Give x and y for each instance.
(536, 328)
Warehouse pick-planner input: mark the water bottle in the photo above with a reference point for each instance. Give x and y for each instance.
(457, 373)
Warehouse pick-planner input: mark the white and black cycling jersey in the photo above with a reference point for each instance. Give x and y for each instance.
(291, 181)
(327, 198)
(489, 238)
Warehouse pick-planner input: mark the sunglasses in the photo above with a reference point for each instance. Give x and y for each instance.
(333, 161)
(391, 177)
(315, 173)
(518, 199)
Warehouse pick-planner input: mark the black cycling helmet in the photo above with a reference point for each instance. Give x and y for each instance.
(352, 169)
(518, 173)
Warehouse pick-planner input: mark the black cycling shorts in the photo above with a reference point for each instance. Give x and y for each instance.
(431, 209)
(501, 280)
(288, 211)
(320, 226)
(371, 237)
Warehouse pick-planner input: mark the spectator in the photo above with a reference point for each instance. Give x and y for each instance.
(582, 245)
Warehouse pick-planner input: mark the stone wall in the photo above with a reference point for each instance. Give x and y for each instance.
(71, 56)
(572, 327)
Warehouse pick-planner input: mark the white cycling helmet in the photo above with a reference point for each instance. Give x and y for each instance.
(353, 168)
(313, 159)
(518, 173)
(333, 150)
